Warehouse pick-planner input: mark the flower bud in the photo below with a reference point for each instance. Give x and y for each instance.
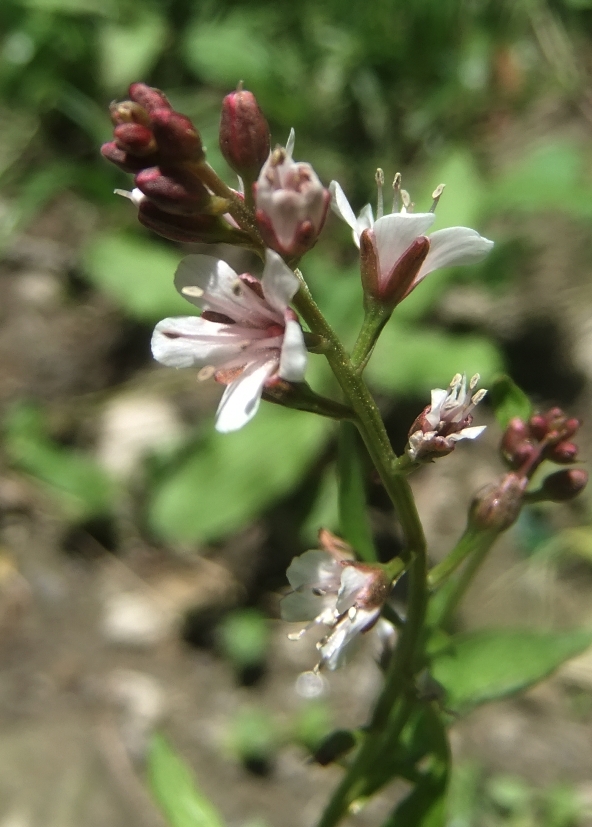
(209, 229)
(497, 506)
(244, 134)
(173, 195)
(148, 97)
(564, 453)
(176, 136)
(124, 160)
(563, 485)
(291, 204)
(128, 112)
(135, 138)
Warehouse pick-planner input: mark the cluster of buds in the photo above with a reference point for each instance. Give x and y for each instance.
(179, 196)
(446, 420)
(332, 589)
(525, 445)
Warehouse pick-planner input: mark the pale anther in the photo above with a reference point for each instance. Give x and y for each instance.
(397, 192)
(436, 195)
(206, 373)
(193, 291)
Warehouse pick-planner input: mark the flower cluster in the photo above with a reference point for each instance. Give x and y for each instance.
(331, 589)
(446, 420)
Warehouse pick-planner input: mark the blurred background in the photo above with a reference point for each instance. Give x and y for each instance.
(141, 554)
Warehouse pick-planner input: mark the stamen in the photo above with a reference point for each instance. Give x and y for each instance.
(297, 635)
(479, 396)
(352, 612)
(474, 381)
(407, 203)
(236, 287)
(206, 373)
(397, 192)
(379, 178)
(193, 291)
(436, 195)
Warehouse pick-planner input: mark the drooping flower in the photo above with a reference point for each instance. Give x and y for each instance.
(401, 253)
(291, 202)
(332, 589)
(246, 338)
(446, 420)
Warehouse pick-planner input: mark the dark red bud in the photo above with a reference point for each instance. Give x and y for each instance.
(244, 134)
(515, 434)
(128, 112)
(148, 97)
(538, 426)
(563, 453)
(171, 194)
(135, 138)
(563, 485)
(176, 136)
(124, 160)
(399, 283)
(209, 229)
(497, 506)
(369, 266)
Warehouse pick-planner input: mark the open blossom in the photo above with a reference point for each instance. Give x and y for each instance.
(401, 252)
(291, 202)
(333, 590)
(446, 420)
(246, 338)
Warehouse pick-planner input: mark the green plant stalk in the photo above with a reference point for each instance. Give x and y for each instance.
(440, 573)
(375, 318)
(399, 675)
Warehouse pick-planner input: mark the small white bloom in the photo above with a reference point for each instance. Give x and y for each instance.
(392, 235)
(337, 592)
(247, 336)
(446, 420)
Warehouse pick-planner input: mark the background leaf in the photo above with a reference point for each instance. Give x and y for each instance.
(508, 401)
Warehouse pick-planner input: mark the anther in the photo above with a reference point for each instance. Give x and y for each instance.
(193, 291)
(206, 373)
(436, 195)
(397, 192)
(406, 199)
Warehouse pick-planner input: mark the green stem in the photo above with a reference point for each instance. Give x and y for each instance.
(375, 319)
(458, 555)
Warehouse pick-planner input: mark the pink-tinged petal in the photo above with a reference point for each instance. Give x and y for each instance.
(339, 644)
(365, 219)
(394, 233)
(190, 341)
(241, 399)
(280, 285)
(316, 569)
(341, 207)
(352, 582)
(468, 433)
(294, 356)
(452, 247)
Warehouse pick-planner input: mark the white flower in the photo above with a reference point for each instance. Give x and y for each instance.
(446, 420)
(247, 337)
(393, 235)
(291, 202)
(332, 590)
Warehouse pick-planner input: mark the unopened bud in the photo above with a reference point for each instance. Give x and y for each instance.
(124, 160)
(173, 195)
(135, 138)
(244, 134)
(148, 97)
(176, 136)
(497, 506)
(564, 453)
(563, 485)
(538, 426)
(128, 112)
(209, 229)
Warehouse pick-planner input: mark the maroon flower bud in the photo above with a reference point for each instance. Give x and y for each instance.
(148, 97)
(128, 112)
(538, 426)
(563, 485)
(244, 134)
(181, 197)
(124, 160)
(564, 453)
(135, 138)
(176, 136)
(497, 506)
(209, 229)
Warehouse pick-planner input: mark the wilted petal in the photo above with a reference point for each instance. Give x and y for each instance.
(452, 247)
(395, 233)
(303, 605)
(280, 285)
(338, 645)
(240, 400)
(294, 356)
(352, 581)
(314, 568)
(189, 341)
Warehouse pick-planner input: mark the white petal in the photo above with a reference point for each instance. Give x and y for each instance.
(365, 218)
(190, 341)
(438, 397)
(280, 285)
(341, 207)
(240, 400)
(454, 246)
(304, 605)
(468, 433)
(352, 580)
(316, 569)
(338, 645)
(290, 142)
(294, 356)
(395, 233)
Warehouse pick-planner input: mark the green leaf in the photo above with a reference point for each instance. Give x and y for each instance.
(415, 360)
(183, 804)
(508, 401)
(128, 52)
(229, 478)
(244, 637)
(491, 664)
(137, 274)
(81, 486)
(353, 516)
